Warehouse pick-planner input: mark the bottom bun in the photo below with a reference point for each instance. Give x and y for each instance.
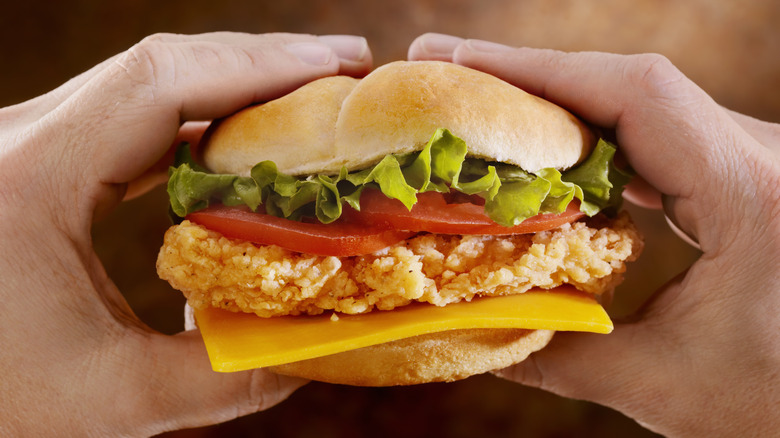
(436, 357)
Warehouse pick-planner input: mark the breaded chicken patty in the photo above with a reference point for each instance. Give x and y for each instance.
(212, 270)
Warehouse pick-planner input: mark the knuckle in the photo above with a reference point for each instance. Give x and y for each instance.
(527, 372)
(161, 37)
(218, 56)
(256, 400)
(655, 74)
(209, 56)
(148, 62)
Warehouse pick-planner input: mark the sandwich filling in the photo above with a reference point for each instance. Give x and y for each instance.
(269, 280)
(482, 251)
(213, 271)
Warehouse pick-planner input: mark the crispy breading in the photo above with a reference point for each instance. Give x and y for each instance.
(212, 270)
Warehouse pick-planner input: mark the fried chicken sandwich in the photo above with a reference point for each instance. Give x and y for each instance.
(425, 223)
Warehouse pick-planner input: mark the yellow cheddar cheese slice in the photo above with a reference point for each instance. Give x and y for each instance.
(241, 341)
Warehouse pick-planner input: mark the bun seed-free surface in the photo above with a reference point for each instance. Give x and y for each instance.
(341, 121)
(437, 357)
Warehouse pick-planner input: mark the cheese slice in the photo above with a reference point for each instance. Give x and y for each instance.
(241, 341)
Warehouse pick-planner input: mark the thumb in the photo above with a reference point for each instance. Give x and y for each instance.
(184, 391)
(633, 369)
(592, 367)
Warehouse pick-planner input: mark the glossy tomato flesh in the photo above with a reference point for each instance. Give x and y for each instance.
(339, 239)
(435, 213)
(381, 222)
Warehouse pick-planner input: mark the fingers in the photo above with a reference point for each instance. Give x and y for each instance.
(683, 144)
(601, 88)
(640, 193)
(434, 47)
(440, 47)
(205, 80)
(157, 174)
(122, 119)
(21, 115)
(768, 134)
(355, 58)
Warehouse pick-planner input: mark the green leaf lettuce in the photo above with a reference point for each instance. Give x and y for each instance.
(511, 194)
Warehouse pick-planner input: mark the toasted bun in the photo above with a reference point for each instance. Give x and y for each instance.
(437, 357)
(341, 121)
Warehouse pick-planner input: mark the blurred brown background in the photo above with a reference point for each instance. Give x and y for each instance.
(732, 49)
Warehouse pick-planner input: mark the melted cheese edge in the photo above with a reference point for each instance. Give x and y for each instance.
(242, 341)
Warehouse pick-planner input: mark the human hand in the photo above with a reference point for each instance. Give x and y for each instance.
(75, 360)
(702, 357)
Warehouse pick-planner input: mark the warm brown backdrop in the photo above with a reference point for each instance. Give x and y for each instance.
(732, 49)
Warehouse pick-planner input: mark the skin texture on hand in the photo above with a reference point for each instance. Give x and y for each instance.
(702, 358)
(74, 358)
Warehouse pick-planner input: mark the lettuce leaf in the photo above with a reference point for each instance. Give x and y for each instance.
(511, 194)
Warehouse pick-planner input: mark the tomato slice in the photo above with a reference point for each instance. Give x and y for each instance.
(434, 214)
(381, 222)
(339, 238)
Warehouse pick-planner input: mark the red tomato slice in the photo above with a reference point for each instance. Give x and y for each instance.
(339, 238)
(382, 222)
(432, 213)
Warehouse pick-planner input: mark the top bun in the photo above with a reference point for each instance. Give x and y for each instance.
(341, 121)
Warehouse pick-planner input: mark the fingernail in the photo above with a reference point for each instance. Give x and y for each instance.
(439, 44)
(313, 53)
(486, 46)
(347, 47)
